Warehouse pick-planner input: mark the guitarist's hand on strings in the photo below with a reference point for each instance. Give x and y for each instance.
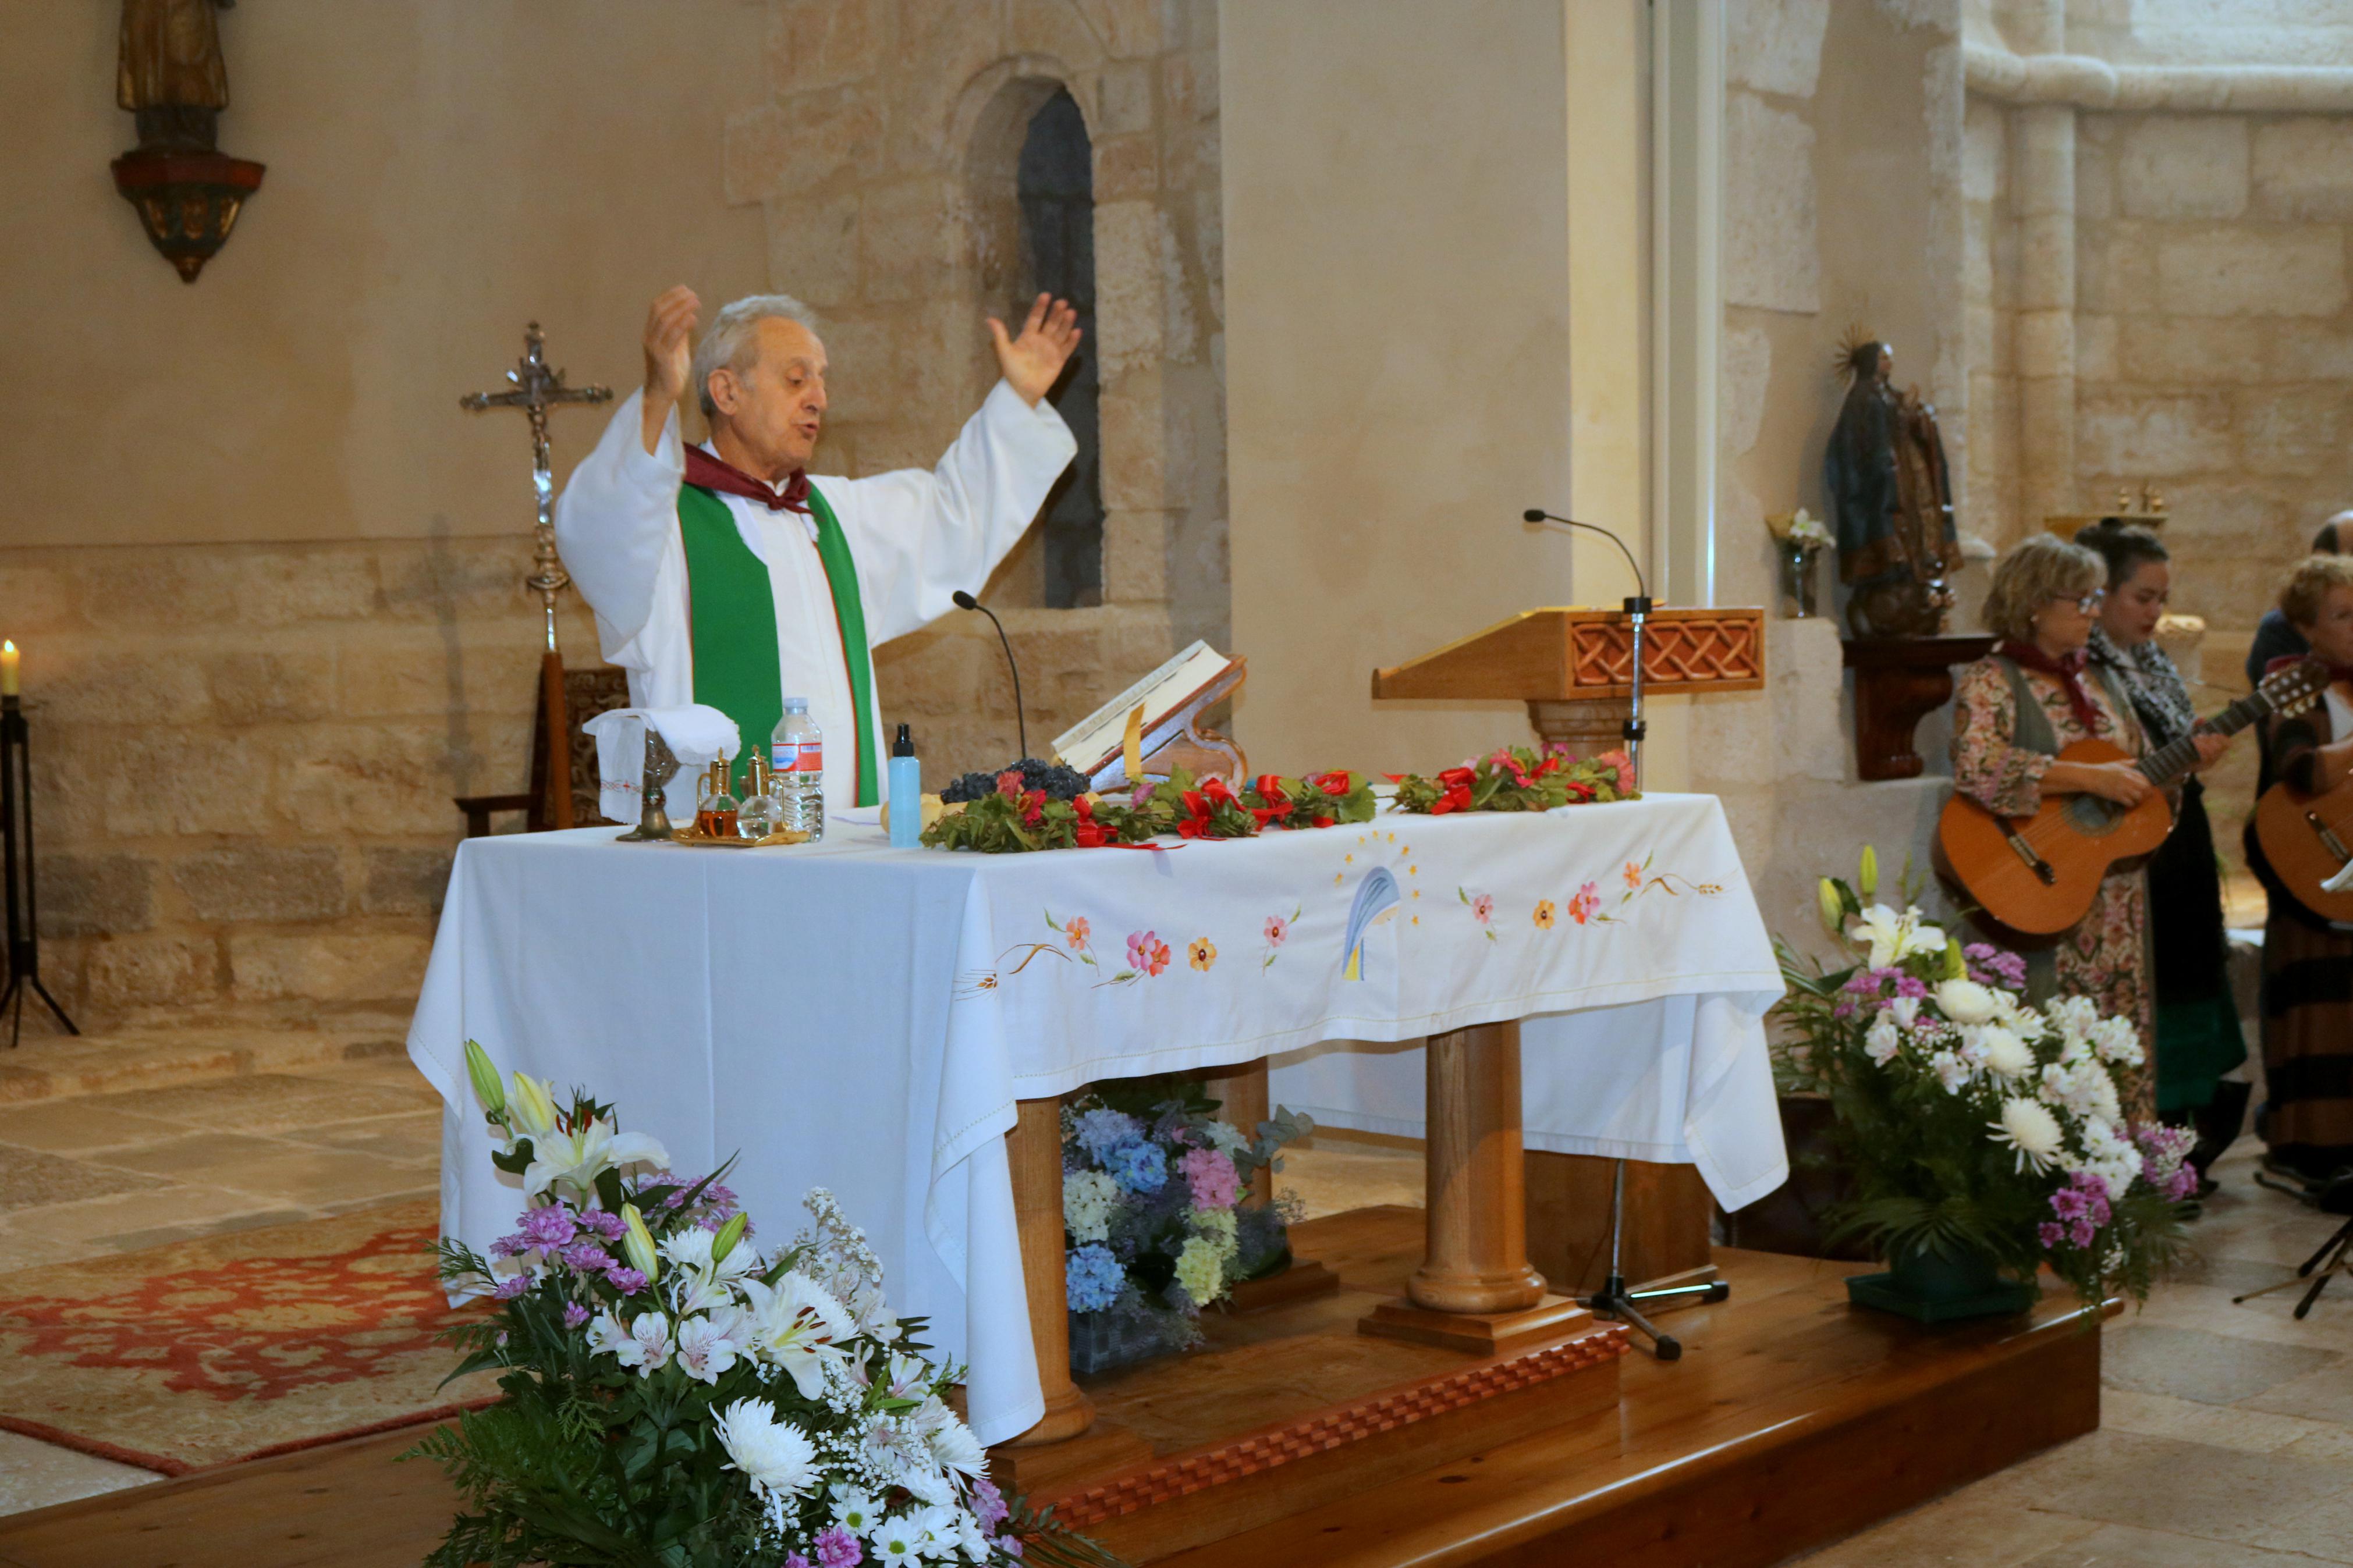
(2209, 747)
(2123, 782)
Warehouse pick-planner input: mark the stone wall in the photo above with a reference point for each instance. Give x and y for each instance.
(884, 162)
(243, 757)
(1842, 209)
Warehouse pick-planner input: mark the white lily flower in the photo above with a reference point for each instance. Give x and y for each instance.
(797, 1327)
(643, 1343)
(574, 1160)
(708, 1345)
(2117, 1041)
(1906, 1010)
(1950, 1070)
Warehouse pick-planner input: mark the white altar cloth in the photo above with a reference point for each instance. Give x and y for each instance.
(853, 1017)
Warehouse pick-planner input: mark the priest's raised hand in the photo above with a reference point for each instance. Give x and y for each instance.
(1031, 362)
(670, 357)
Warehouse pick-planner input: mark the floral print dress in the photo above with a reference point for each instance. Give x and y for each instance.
(2105, 955)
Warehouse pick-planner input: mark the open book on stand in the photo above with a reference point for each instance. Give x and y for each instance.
(1159, 716)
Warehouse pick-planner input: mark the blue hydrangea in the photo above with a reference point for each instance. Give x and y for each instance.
(1138, 1166)
(1102, 1130)
(1093, 1278)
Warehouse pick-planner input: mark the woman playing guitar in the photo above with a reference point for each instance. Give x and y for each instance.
(2013, 711)
(2308, 963)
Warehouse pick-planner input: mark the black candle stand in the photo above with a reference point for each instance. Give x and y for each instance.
(16, 861)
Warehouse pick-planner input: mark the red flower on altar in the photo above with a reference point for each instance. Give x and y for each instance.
(1033, 807)
(1090, 835)
(1278, 805)
(1201, 805)
(1624, 765)
(1457, 782)
(1337, 781)
(1578, 791)
(1009, 784)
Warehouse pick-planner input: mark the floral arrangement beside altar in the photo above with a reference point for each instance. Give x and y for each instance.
(1154, 1225)
(1981, 1133)
(679, 1396)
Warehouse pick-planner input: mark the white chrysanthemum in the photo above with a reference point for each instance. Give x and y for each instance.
(1882, 1040)
(2032, 1130)
(952, 1442)
(2005, 1054)
(1950, 1070)
(2117, 1041)
(1088, 1199)
(1906, 1010)
(775, 1457)
(1964, 1001)
(2108, 1155)
(2017, 1018)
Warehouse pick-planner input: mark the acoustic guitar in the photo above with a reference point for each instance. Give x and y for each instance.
(2039, 874)
(2308, 840)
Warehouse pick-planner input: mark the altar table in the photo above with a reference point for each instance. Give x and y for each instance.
(848, 1015)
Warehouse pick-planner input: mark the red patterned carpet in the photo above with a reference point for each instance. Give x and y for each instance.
(234, 1346)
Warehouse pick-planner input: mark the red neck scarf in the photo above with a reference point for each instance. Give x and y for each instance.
(710, 473)
(2068, 672)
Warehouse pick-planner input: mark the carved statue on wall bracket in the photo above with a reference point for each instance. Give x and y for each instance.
(1891, 495)
(170, 75)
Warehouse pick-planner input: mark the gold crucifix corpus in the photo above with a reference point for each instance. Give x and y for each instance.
(537, 389)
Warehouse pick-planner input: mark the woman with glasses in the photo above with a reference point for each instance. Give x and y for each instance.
(2013, 712)
(2198, 1034)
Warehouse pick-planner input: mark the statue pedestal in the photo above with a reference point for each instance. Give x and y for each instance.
(1898, 681)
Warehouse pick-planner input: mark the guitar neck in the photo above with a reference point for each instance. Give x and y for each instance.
(2173, 759)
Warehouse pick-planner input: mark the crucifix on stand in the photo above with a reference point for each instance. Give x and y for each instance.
(538, 389)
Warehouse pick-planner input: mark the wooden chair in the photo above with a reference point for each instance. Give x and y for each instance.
(585, 693)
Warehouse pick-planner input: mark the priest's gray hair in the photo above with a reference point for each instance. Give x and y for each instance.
(730, 342)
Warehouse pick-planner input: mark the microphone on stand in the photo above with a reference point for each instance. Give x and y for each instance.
(964, 601)
(1638, 611)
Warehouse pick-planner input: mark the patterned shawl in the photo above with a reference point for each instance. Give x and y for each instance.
(2158, 693)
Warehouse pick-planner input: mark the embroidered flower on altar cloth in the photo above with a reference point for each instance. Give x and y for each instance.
(1075, 933)
(1544, 915)
(1147, 953)
(1201, 952)
(1582, 907)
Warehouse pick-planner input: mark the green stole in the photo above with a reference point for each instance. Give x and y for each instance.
(732, 620)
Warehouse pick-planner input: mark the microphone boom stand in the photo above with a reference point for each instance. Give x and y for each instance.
(1614, 1300)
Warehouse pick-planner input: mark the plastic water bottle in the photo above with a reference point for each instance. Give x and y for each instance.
(797, 758)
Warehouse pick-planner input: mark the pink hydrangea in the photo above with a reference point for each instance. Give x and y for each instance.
(1210, 1174)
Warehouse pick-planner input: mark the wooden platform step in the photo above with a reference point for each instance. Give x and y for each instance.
(1791, 1420)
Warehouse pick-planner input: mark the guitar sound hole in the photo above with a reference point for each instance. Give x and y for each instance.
(2089, 814)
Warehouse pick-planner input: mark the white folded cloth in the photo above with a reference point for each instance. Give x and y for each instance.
(697, 735)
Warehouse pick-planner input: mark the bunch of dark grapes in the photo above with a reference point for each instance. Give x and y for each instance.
(1058, 782)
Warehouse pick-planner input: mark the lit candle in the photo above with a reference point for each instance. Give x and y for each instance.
(7, 670)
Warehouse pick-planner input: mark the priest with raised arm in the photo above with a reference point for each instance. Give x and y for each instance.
(725, 574)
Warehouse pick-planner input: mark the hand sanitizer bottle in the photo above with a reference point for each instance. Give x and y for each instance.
(906, 794)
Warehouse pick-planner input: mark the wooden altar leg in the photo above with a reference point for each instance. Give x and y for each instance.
(1474, 1288)
(1061, 1444)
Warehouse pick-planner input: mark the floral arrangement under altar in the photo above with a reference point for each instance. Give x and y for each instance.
(1154, 1225)
(1977, 1128)
(680, 1396)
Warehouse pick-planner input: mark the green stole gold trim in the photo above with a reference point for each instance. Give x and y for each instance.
(731, 622)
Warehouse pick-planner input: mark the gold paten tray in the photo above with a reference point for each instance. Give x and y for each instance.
(695, 838)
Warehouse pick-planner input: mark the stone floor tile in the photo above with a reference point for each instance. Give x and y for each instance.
(2272, 1318)
(1963, 1530)
(410, 1139)
(164, 1236)
(70, 1126)
(2192, 1363)
(2185, 1489)
(102, 1219)
(205, 1155)
(2324, 1396)
(2124, 1546)
(316, 1176)
(33, 1474)
(2324, 1531)
(2325, 1445)
(408, 1194)
(269, 1102)
(2222, 1425)
(29, 1179)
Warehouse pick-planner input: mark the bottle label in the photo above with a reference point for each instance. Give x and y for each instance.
(798, 756)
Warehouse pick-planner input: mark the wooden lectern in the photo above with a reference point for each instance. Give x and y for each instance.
(1573, 668)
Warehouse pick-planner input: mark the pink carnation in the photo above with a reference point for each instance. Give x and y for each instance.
(1210, 1174)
